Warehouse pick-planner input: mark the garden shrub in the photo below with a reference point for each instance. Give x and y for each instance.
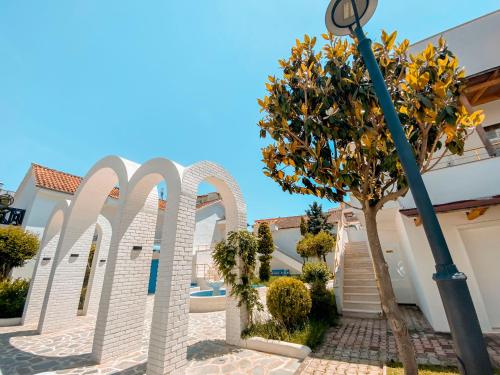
(16, 247)
(289, 302)
(13, 295)
(323, 307)
(316, 273)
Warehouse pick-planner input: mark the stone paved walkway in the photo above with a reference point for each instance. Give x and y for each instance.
(362, 346)
(24, 352)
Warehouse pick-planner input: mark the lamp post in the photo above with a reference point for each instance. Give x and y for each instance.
(346, 17)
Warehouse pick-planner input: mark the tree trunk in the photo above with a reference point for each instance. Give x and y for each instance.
(388, 299)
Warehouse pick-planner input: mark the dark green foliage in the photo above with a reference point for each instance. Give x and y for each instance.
(316, 273)
(289, 302)
(310, 334)
(323, 301)
(238, 253)
(265, 249)
(12, 297)
(303, 226)
(16, 247)
(317, 221)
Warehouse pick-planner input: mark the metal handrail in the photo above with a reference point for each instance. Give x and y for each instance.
(469, 156)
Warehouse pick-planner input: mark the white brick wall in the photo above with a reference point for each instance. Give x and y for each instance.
(60, 304)
(40, 279)
(168, 341)
(120, 320)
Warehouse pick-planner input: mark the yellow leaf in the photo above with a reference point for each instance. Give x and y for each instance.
(280, 174)
(391, 39)
(307, 39)
(404, 110)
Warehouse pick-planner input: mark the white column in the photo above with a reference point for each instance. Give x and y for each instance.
(169, 327)
(39, 282)
(60, 305)
(120, 320)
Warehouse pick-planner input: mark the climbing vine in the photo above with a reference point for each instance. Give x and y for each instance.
(236, 258)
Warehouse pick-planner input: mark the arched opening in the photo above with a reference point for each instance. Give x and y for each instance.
(121, 317)
(169, 327)
(45, 259)
(61, 300)
(96, 266)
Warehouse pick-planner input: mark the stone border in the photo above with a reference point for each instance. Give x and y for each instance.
(283, 348)
(8, 322)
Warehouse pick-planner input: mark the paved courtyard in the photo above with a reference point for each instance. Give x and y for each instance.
(362, 346)
(24, 352)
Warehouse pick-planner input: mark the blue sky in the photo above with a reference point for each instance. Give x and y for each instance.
(80, 80)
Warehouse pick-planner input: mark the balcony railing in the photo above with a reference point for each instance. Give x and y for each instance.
(469, 156)
(12, 216)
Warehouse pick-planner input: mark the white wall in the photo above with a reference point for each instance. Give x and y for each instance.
(461, 182)
(473, 245)
(470, 40)
(286, 240)
(207, 231)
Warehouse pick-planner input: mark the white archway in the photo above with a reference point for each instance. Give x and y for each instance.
(120, 321)
(122, 302)
(43, 265)
(169, 327)
(61, 300)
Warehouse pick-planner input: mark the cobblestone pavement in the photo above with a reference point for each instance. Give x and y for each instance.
(362, 346)
(24, 352)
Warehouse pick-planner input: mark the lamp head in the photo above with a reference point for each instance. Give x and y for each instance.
(343, 16)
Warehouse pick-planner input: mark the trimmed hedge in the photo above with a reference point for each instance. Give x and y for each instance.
(13, 295)
(289, 302)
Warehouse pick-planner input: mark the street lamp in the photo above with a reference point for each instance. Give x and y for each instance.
(346, 17)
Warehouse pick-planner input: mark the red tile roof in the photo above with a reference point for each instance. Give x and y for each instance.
(52, 179)
(294, 221)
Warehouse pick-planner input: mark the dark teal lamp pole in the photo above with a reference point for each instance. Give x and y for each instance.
(346, 17)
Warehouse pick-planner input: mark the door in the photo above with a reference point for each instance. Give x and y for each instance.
(483, 248)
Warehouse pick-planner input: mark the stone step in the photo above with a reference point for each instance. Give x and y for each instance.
(358, 268)
(359, 282)
(359, 275)
(365, 314)
(362, 305)
(358, 296)
(361, 289)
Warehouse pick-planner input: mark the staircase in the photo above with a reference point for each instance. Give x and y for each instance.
(360, 293)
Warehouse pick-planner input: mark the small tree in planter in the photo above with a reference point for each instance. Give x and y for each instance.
(329, 136)
(265, 249)
(16, 247)
(235, 259)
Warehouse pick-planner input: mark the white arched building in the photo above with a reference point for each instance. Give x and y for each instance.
(119, 279)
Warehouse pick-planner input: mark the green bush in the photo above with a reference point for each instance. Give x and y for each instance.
(12, 297)
(16, 247)
(323, 306)
(316, 273)
(289, 302)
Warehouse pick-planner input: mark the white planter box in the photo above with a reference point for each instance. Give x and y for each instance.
(7, 322)
(283, 348)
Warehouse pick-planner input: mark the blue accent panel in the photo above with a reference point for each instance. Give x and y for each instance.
(153, 275)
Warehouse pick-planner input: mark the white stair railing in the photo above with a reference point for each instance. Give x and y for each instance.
(338, 265)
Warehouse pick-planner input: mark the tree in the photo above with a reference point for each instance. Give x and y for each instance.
(16, 247)
(329, 136)
(321, 244)
(304, 248)
(265, 249)
(235, 259)
(316, 219)
(303, 226)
